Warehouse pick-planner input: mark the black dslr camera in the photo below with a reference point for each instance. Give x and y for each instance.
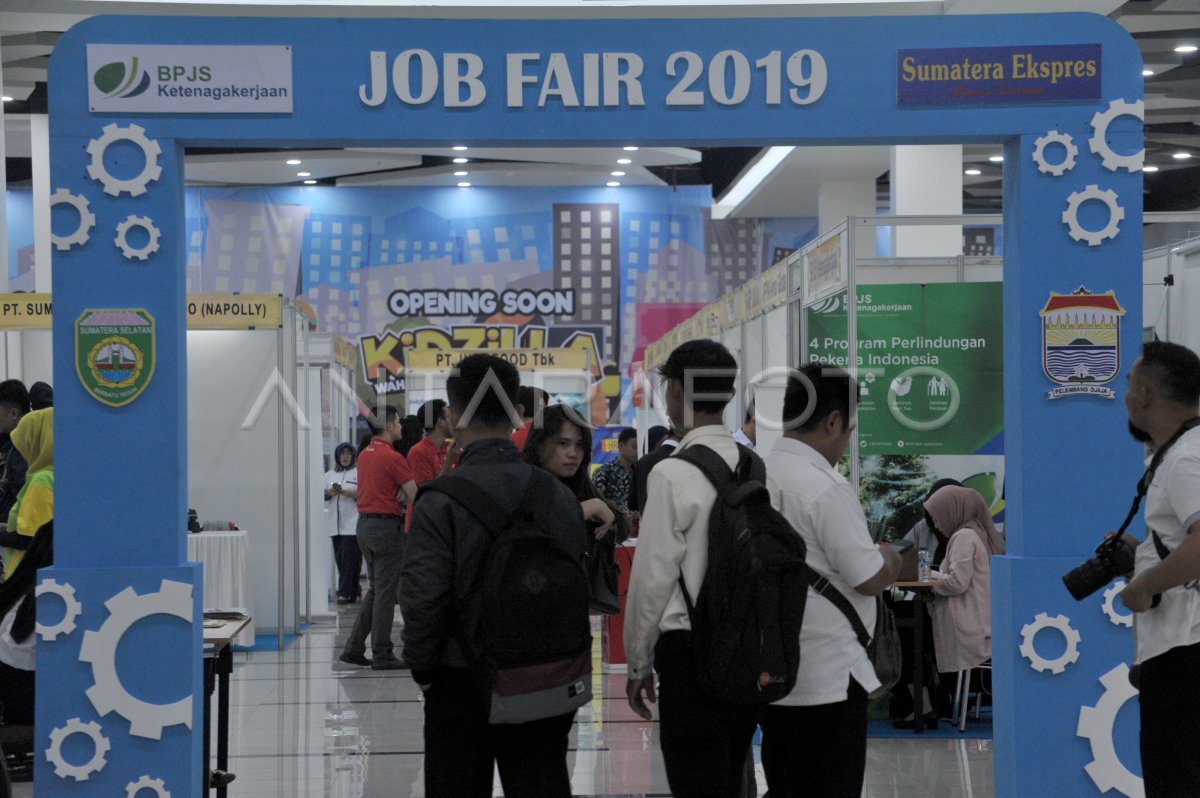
(1114, 557)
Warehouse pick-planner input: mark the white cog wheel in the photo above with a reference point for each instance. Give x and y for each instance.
(74, 608)
(63, 768)
(122, 239)
(114, 185)
(1036, 661)
(1096, 725)
(1099, 144)
(1039, 153)
(87, 219)
(100, 648)
(146, 783)
(1070, 216)
(1110, 605)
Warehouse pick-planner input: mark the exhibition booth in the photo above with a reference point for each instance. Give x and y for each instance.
(1072, 221)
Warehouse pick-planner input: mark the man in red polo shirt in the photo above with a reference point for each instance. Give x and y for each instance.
(427, 458)
(385, 485)
(530, 402)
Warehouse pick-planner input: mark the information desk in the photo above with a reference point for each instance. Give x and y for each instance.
(226, 577)
(218, 665)
(924, 595)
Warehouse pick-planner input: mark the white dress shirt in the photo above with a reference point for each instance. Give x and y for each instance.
(822, 506)
(1172, 508)
(744, 440)
(673, 537)
(341, 512)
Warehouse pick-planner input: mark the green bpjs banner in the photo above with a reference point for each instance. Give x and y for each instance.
(114, 353)
(189, 79)
(929, 360)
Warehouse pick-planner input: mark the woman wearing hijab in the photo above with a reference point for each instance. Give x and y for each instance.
(341, 520)
(34, 439)
(962, 630)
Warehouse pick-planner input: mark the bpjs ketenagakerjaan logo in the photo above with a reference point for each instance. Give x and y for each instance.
(123, 79)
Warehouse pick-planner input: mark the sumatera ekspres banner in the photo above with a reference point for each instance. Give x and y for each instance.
(930, 364)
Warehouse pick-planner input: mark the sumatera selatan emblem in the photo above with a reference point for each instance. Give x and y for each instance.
(114, 353)
(1081, 342)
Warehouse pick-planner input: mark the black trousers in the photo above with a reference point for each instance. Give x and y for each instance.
(704, 743)
(16, 696)
(1170, 709)
(818, 751)
(348, 557)
(461, 746)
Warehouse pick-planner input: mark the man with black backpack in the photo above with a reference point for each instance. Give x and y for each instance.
(705, 735)
(495, 601)
(815, 738)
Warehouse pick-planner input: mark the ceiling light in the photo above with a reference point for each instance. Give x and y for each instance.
(464, 184)
(1186, 48)
(293, 162)
(996, 158)
(310, 182)
(750, 179)
(612, 184)
(461, 174)
(617, 174)
(972, 172)
(304, 174)
(630, 149)
(1149, 168)
(1181, 156)
(624, 161)
(462, 160)
(1147, 73)
(459, 148)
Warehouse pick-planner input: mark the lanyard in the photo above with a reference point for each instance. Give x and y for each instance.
(1148, 477)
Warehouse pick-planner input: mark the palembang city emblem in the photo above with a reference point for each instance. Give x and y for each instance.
(114, 353)
(1081, 342)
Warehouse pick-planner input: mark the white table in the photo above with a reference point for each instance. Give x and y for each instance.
(226, 577)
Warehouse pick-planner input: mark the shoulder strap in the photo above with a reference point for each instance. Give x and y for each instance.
(1148, 477)
(711, 464)
(826, 589)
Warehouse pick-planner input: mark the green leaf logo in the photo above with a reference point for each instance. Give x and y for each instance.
(109, 77)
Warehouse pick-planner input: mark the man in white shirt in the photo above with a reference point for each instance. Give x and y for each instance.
(704, 743)
(815, 739)
(1163, 397)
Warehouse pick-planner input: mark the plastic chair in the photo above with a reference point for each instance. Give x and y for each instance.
(962, 690)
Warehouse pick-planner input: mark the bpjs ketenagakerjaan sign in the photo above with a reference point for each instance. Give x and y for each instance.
(188, 79)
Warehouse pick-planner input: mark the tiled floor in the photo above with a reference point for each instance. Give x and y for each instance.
(305, 726)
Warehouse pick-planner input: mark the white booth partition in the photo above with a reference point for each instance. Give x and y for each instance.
(248, 418)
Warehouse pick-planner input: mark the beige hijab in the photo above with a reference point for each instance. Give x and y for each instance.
(953, 508)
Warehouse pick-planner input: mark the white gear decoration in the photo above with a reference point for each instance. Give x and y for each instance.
(1039, 153)
(74, 608)
(100, 648)
(122, 239)
(1096, 725)
(1110, 605)
(87, 220)
(63, 768)
(1098, 144)
(147, 783)
(134, 186)
(1070, 216)
(1036, 661)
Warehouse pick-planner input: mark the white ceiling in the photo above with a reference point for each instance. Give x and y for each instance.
(30, 28)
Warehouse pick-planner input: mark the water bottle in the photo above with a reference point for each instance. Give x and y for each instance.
(923, 570)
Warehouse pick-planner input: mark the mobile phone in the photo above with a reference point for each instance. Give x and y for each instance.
(901, 546)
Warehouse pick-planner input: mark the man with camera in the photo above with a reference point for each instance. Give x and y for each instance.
(1162, 402)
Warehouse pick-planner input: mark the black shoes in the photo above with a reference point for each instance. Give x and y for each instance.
(356, 659)
(388, 662)
(930, 721)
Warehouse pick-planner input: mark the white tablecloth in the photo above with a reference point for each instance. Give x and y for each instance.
(226, 577)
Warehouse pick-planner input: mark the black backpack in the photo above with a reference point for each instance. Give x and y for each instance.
(532, 650)
(746, 619)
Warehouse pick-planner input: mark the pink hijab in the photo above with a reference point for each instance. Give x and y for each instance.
(953, 508)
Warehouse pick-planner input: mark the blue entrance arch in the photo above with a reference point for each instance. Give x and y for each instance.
(128, 93)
